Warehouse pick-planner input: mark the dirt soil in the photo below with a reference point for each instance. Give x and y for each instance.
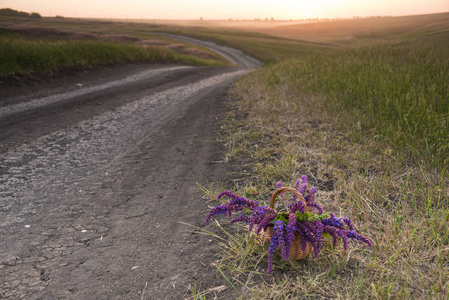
(96, 188)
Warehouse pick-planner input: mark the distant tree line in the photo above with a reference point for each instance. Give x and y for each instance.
(7, 12)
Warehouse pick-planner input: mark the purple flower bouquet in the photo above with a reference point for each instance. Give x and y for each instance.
(304, 222)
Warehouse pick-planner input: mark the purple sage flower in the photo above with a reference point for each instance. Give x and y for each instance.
(318, 207)
(349, 223)
(228, 194)
(333, 221)
(333, 232)
(279, 230)
(354, 235)
(298, 182)
(241, 218)
(303, 235)
(296, 206)
(303, 188)
(271, 250)
(318, 233)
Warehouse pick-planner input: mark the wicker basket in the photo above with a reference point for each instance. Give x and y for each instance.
(295, 249)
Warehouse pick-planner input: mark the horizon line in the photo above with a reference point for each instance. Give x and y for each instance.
(264, 19)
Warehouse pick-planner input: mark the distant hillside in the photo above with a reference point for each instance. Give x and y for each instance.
(7, 12)
(348, 31)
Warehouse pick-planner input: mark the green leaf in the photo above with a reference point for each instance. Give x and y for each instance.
(326, 235)
(301, 217)
(283, 219)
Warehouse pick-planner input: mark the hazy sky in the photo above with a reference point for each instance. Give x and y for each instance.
(223, 9)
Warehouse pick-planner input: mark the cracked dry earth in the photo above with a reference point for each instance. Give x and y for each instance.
(95, 182)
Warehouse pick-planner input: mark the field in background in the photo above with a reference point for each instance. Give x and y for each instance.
(359, 31)
(32, 46)
(336, 32)
(269, 41)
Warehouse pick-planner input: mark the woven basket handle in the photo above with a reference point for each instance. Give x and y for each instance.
(287, 189)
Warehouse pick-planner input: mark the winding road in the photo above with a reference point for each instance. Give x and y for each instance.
(98, 170)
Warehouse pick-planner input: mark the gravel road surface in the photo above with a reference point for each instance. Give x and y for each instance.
(98, 169)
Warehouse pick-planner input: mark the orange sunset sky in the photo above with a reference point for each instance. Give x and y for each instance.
(223, 9)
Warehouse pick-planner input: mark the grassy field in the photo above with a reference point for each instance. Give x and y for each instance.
(46, 45)
(23, 55)
(267, 48)
(359, 31)
(368, 123)
(395, 93)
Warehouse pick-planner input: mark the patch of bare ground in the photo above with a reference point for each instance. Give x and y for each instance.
(95, 190)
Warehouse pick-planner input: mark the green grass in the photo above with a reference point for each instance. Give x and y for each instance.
(396, 94)
(20, 55)
(267, 48)
(37, 47)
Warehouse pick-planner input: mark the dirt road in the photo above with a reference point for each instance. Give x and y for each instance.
(97, 169)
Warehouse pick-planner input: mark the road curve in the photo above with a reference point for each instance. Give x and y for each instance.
(235, 56)
(95, 180)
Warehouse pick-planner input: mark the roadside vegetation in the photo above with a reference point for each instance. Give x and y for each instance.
(368, 123)
(31, 46)
(266, 48)
(21, 55)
